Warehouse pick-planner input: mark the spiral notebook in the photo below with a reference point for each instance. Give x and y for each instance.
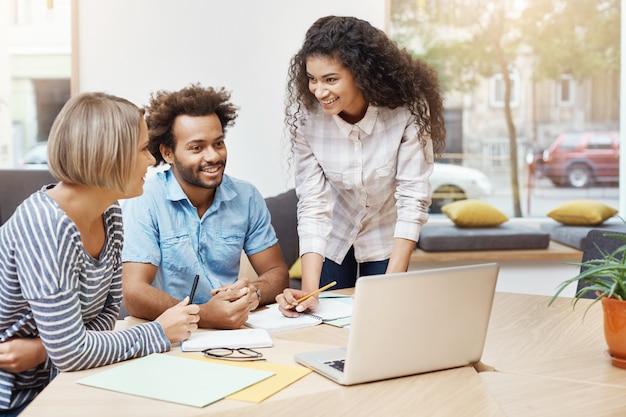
(272, 320)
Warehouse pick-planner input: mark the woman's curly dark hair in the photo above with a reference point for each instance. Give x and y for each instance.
(193, 100)
(387, 75)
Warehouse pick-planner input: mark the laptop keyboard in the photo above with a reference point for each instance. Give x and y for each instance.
(338, 364)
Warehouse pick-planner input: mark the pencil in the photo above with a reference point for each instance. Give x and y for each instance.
(193, 288)
(312, 293)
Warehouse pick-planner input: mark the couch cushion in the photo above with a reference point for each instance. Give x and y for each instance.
(582, 212)
(574, 236)
(474, 213)
(295, 271)
(443, 238)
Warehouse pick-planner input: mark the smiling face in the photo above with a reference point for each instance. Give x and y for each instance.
(143, 161)
(335, 88)
(199, 157)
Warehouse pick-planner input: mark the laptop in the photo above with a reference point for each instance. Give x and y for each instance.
(411, 323)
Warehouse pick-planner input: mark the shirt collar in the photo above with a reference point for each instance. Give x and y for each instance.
(366, 124)
(174, 192)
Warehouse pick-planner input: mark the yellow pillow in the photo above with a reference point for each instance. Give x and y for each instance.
(296, 269)
(582, 213)
(474, 213)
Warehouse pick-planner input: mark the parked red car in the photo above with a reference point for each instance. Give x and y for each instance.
(582, 159)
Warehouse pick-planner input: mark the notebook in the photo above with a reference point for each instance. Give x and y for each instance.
(410, 323)
(239, 338)
(272, 320)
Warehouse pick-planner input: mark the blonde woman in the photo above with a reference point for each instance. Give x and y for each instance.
(60, 255)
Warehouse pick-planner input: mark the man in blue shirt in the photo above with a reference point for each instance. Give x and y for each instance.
(193, 219)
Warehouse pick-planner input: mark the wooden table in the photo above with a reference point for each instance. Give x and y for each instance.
(546, 362)
(550, 361)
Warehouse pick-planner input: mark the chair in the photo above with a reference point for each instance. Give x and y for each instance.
(598, 239)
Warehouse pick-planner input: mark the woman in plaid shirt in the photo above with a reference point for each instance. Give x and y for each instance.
(365, 122)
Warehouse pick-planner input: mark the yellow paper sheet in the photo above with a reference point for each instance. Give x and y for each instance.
(284, 375)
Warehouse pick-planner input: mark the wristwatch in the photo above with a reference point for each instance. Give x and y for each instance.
(258, 294)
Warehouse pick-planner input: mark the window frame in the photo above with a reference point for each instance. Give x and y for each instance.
(496, 84)
(560, 100)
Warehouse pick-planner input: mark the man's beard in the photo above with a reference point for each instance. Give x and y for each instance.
(192, 175)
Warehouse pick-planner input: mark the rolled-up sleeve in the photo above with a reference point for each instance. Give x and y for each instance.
(415, 165)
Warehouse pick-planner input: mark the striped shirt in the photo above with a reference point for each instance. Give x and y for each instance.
(51, 287)
(361, 184)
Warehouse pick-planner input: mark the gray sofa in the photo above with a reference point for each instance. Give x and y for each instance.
(16, 185)
(575, 236)
(283, 209)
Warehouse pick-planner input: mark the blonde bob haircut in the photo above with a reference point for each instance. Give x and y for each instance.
(94, 141)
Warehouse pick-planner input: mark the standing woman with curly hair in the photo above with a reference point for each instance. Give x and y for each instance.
(365, 123)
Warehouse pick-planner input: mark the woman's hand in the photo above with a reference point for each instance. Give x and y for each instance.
(19, 354)
(180, 321)
(289, 306)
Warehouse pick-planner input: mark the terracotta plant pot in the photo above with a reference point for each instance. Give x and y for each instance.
(615, 330)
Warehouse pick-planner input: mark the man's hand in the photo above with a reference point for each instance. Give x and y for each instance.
(229, 307)
(19, 354)
(254, 300)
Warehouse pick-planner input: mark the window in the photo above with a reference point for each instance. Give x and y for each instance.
(565, 89)
(570, 141)
(497, 152)
(600, 141)
(497, 89)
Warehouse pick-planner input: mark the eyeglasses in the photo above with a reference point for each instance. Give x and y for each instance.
(234, 354)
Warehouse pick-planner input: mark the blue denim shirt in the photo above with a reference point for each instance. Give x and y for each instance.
(162, 227)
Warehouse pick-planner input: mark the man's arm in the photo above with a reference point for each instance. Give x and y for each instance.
(272, 271)
(227, 310)
(142, 300)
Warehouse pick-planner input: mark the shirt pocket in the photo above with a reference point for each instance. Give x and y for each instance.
(386, 171)
(343, 180)
(177, 253)
(225, 248)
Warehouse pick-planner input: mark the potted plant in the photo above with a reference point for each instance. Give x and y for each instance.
(604, 279)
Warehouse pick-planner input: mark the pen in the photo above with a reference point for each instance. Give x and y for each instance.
(193, 288)
(312, 293)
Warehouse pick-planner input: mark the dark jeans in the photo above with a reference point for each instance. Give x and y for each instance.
(347, 273)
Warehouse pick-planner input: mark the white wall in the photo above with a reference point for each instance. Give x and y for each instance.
(6, 147)
(134, 47)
